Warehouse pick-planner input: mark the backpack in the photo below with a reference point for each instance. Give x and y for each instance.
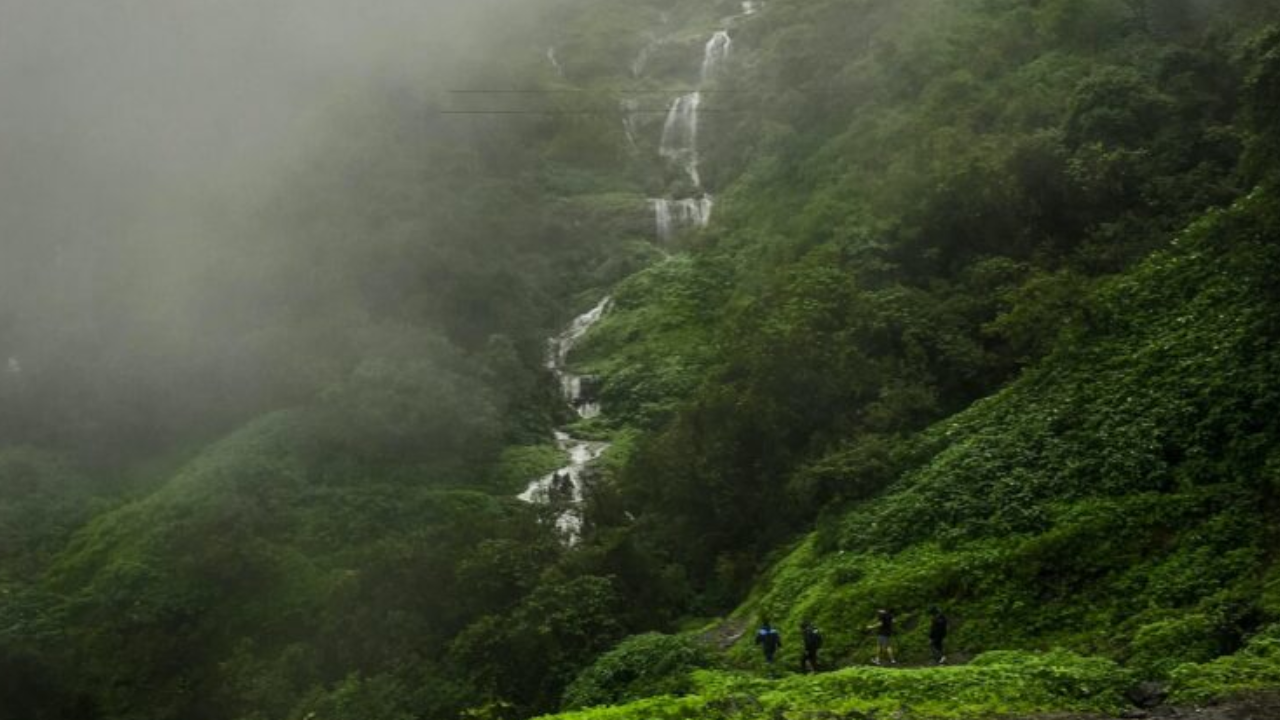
(812, 639)
(768, 638)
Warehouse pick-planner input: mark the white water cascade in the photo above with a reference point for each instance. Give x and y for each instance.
(565, 487)
(555, 61)
(559, 347)
(630, 107)
(680, 135)
(671, 215)
(641, 61)
(715, 53)
(679, 146)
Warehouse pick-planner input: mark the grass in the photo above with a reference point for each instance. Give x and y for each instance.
(994, 684)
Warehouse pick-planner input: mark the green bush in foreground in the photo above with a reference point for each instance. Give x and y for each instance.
(994, 684)
(639, 667)
(1257, 667)
(519, 464)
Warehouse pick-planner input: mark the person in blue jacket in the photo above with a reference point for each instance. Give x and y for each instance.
(769, 640)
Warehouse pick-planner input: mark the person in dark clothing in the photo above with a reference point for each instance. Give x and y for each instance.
(884, 637)
(812, 643)
(769, 640)
(938, 635)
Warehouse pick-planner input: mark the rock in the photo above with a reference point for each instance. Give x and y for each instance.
(1147, 695)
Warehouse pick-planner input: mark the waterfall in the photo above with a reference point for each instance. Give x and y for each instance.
(641, 61)
(555, 61)
(663, 218)
(558, 349)
(751, 7)
(561, 345)
(679, 146)
(716, 52)
(671, 216)
(680, 135)
(629, 108)
(564, 488)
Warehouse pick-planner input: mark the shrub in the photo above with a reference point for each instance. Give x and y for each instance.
(639, 667)
(1256, 667)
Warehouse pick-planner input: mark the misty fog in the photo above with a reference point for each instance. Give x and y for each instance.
(128, 126)
(140, 140)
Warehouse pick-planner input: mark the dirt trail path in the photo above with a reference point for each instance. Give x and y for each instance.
(725, 634)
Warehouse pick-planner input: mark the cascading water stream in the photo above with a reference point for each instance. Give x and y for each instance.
(555, 61)
(679, 146)
(680, 135)
(630, 107)
(564, 488)
(671, 215)
(715, 53)
(641, 61)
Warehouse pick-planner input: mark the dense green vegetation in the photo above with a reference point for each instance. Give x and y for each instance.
(334, 549)
(1086, 505)
(985, 318)
(870, 278)
(639, 667)
(993, 685)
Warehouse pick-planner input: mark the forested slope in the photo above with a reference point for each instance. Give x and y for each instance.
(1006, 339)
(1118, 500)
(984, 316)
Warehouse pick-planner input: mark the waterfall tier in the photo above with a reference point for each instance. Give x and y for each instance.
(565, 488)
(555, 62)
(715, 54)
(630, 107)
(680, 135)
(671, 216)
(679, 146)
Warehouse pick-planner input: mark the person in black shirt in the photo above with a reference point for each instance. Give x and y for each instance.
(812, 643)
(938, 635)
(884, 636)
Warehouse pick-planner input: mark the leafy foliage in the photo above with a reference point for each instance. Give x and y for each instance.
(986, 319)
(1257, 667)
(1115, 499)
(639, 667)
(994, 685)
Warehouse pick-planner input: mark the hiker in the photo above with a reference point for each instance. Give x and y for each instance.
(812, 643)
(938, 635)
(884, 636)
(769, 640)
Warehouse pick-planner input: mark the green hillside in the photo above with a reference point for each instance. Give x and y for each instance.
(1053, 515)
(1117, 498)
(985, 317)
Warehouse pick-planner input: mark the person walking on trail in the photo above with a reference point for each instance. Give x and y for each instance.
(884, 637)
(769, 640)
(938, 635)
(812, 643)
